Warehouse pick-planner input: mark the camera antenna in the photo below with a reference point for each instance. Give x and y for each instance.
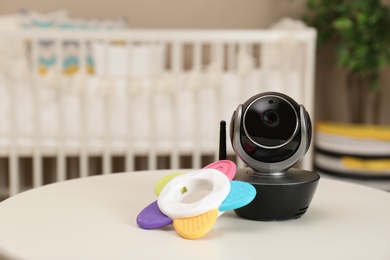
(222, 140)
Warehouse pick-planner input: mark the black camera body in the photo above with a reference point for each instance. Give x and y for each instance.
(271, 132)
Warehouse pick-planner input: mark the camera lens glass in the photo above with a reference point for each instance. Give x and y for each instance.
(270, 121)
(270, 118)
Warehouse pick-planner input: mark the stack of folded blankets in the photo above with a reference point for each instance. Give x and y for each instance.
(359, 153)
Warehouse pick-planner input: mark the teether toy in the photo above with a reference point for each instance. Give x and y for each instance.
(225, 166)
(212, 181)
(241, 193)
(152, 217)
(163, 181)
(197, 226)
(193, 201)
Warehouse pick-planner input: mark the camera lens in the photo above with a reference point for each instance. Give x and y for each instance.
(270, 118)
(270, 121)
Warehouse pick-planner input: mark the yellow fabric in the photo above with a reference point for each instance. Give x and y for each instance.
(71, 70)
(42, 70)
(369, 165)
(68, 71)
(355, 131)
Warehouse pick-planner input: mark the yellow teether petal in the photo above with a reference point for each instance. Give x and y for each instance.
(196, 227)
(163, 181)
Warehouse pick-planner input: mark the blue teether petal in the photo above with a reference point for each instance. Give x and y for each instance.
(241, 194)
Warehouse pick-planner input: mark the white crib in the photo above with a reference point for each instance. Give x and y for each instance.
(152, 93)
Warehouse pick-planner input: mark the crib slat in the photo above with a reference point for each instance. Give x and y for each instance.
(37, 153)
(308, 93)
(219, 59)
(129, 163)
(152, 153)
(197, 56)
(174, 155)
(107, 162)
(107, 139)
(14, 176)
(83, 157)
(37, 169)
(107, 109)
(196, 153)
(217, 54)
(177, 68)
(177, 57)
(14, 181)
(83, 165)
(60, 166)
(152, 150)
(197, 66)
(129, 159)
(129, 153)
(231, 56)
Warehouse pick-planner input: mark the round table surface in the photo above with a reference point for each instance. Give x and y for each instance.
(95, 218)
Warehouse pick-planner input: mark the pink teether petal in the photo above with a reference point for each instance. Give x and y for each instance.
(225, 166)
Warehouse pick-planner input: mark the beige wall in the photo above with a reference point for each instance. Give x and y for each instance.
(330, 92)
(172, 13)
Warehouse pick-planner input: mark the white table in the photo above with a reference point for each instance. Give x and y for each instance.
(94, 218)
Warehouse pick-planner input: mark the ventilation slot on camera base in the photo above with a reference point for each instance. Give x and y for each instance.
(301, 212)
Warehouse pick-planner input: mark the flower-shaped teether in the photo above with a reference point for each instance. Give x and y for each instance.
(193, 201)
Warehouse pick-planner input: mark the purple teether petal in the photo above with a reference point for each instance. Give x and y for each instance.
(151, 217)
(225, 166)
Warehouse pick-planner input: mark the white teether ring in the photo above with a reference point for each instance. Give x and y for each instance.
(171, 197)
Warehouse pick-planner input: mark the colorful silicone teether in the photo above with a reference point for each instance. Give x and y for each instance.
(151, 217)
(241, 194)
(196, 227)
(163, 181)
(227, 167)
(171, 197)
(193, 201)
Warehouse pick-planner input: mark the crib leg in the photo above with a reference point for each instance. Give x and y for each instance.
(129, 161)
(107, 169)
(61, 168)
(37, 170)
(83, 164)
(196, 160)
(73, 168)
(152, 161)
(174, 160)
(14, 180)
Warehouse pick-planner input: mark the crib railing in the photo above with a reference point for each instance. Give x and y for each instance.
(131, 93)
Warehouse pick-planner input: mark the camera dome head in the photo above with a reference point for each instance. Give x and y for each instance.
(270, 132)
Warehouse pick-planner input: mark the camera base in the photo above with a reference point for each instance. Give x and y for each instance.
(279, 197)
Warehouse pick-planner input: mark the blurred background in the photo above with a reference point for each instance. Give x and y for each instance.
(366, 135)
(331, 95)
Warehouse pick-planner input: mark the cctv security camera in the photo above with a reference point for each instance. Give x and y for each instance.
(270, 132)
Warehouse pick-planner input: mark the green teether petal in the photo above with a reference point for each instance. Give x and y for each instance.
(164, 180)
